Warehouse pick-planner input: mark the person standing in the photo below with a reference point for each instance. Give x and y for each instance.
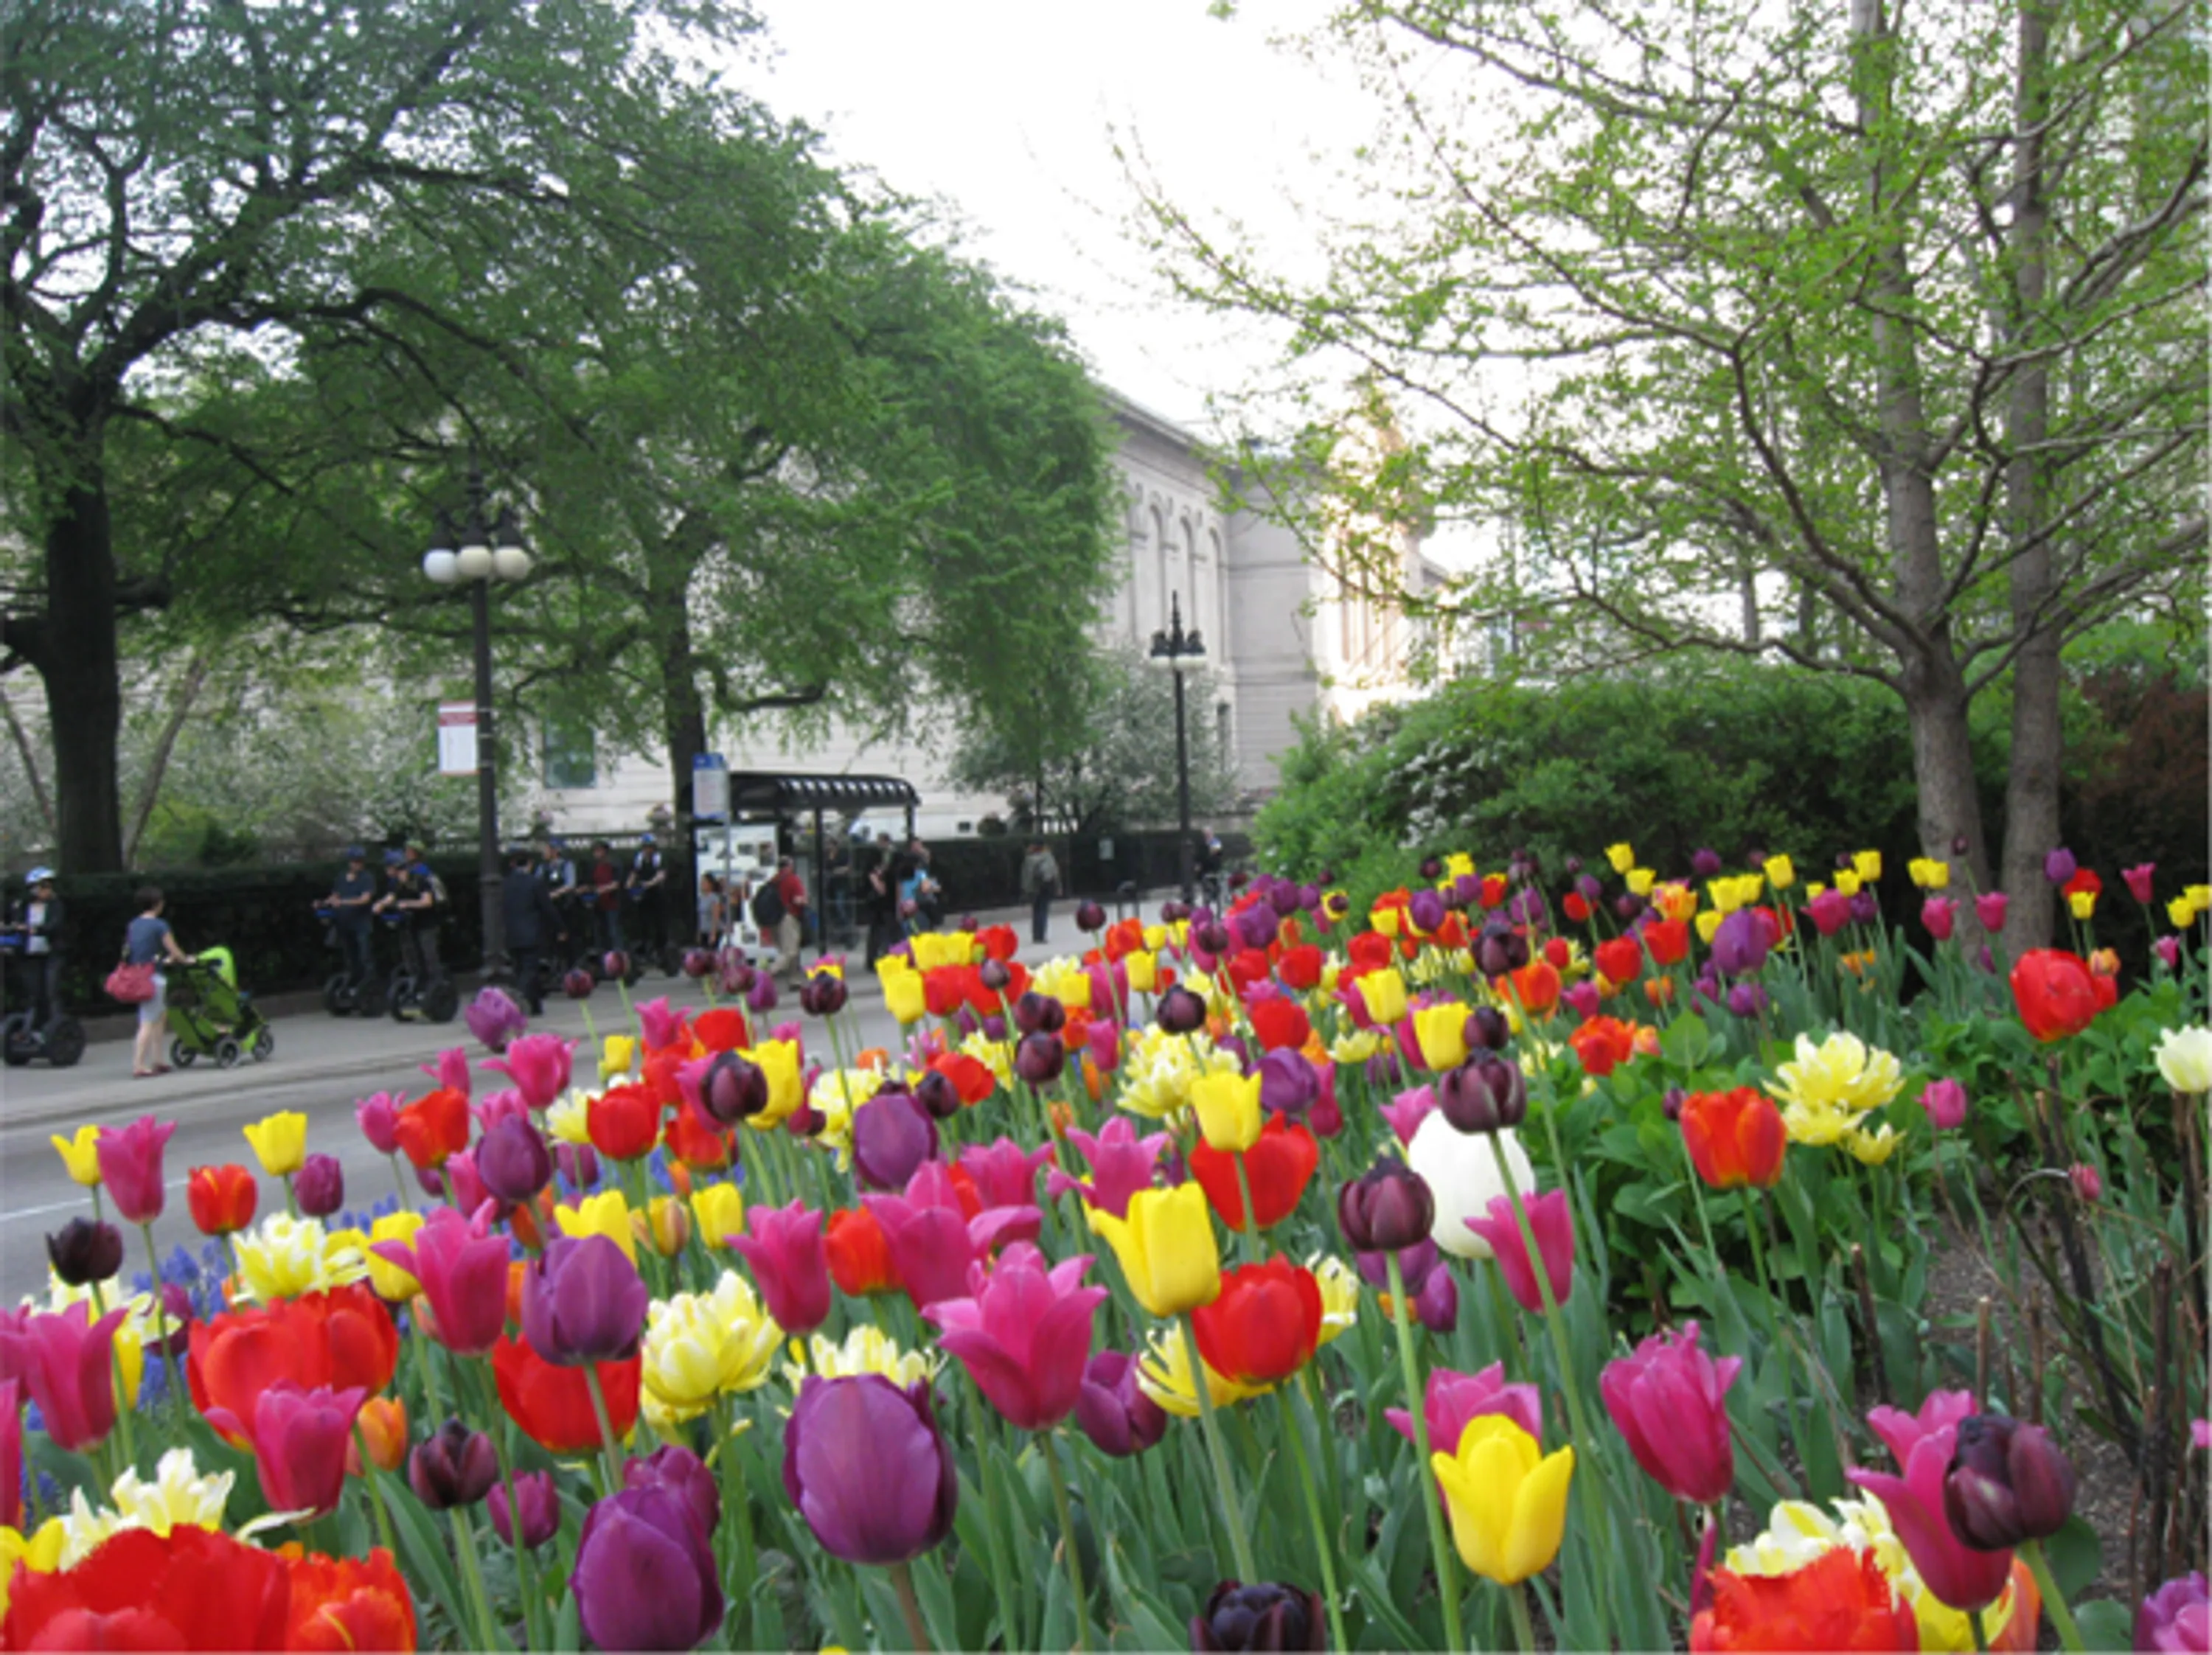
(606, 897)
(649, 878)
(791, 929)
(710, 910)
(42, 947)
(149, 942)
(350, 896)
(1040, 884)
(533, 924)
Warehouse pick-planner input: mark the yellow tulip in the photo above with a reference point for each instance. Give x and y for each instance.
(1157, 937)
(1709, 922)
(1621, 857)
(2181, 913)
(1847, 880)
(1929, 873)
(1228, 1105)
(1144, 969)
(1384, 920)
(779, 1061)
(1724, 893)
(905, 997)
(392, 1284)
(81, 1153)
(720, 1210)
(1384, 993)
(1781, 872)
(1167, 1248)
(1441, 1032)
(1508, 1499)
(41, 1551)
(664, 1226)
(280, 1141)
(1814, 890)
(1639, 881)
(1872, 1149)
(2083, 904)
(617, 1053)
(698, 1346)
(1867, 865)
(605, 1214)
(2200, 896)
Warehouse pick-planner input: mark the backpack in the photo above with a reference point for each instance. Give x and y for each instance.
(438, 901)
(768, 906)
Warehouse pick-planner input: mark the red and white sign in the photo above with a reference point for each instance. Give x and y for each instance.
(457, 738)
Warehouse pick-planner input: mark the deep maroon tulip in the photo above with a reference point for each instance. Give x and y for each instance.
(1089, 916)
(1040, 1058)
(1487, 1027)
(935, 1092)
(1432, 867)
(614, 966)
(131, 1167)
(783, 1247)
(1036, 1013)
(1626, 907)
(1181, 1012)
(1113, 1409)
(583, 1301)
(645, 1575)
(1209, 937)
(84, 1249)
(452, 1466)
(319, 1185)
(698, 963)
(679, 1471)
(733, 1088)
(1484, 1093)
(514, 1161)
(2007, 1483)
(892, 1134)
(1386, 1207)
(1264, 1615)
(994, 975)
(578, 985)
(540, 1500)
(733, 972)
(1704, 863)
(864, 1463)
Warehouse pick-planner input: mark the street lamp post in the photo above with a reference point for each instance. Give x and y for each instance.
(1171, 650)
(485, 554)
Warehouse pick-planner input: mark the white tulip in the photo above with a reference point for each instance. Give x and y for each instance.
(2184, 1059)
(1461, 1173)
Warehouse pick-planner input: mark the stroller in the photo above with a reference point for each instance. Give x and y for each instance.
(210, 1015)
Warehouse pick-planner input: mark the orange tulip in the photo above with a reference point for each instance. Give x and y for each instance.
(348, 1602)
(383, 1421)
(1734, 1138)
(1536, 986)
(1840, 1601)
(223, 1198)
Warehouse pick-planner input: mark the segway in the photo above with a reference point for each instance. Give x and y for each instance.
(413, 995)
(23, 1039)
(345, 994)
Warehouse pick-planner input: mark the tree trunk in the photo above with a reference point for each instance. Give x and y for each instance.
(684, 721)
(1943, 768)
(77, 659)
(2031, 782)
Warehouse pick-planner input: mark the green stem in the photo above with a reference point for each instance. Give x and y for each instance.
(1067, 1538)
(1001, 1581)
(525, 1576)
(291, 1199)
(1440, 1551)
(160, 1318)
(399, 1181)
(2069, 1634)
(465, 1542)
(1296, 1433)
(1240, 1543)
(125, 1404)
(1524, 1631)
(910, 1606)
(427, 1363)
(613, 1454)
(376, 1495)
(738, 1507)
(1981, 1631)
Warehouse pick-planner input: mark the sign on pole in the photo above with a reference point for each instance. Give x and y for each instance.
(710, 787)
(457, 738)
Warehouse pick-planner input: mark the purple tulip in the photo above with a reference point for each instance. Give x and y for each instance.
(540, 1065)
(1425, 910)
(679, 1471)
(892, 1134)
(579, 1163)
(452, 1466)
(761, 996)
(1740, 945)
(536, 1493)
(1747, 999)
(645, 1575)
(582, 1302)
(1257, 926)
(495, 1018)
(319, 1185)
(1945, 1101)
(1416, 1264)
(1864, 909)
(1435, 1302)
(1451, 1399)
(1025, 1336)
(1668, 1399)
(1704, 863)
(1113, 1409)
(1288, 1084)
(513, 1161)
(2176, 1618)
(578, 985)
(1957, 1573)
(864, 1463)
(783, 1247)
(2059, 866)
(377, 1116)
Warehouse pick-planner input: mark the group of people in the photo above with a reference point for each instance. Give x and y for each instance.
(410, 893)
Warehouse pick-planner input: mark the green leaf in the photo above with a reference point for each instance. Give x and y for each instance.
(1686, 1041)
(2106, 1623)
(2076, 1556)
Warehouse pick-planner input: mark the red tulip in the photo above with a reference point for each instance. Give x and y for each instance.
(343, 1338)
(190, 1589)
(223, 1198)
(1536, 986)
(1279, 1024)
(1265, 1325)
(2056, 993)
(1840, 1601)
(349, 1603)
(1278, 1168)
(1668, 940)
(433, 1127)
(1619, 959)
(553, 1405)
(1736, 1138)
(858, 1254)
(625, 1123)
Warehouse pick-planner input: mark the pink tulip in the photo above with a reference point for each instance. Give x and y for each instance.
(1004, 1174)
(1407, 1110)
(64, 1360)
(2139, 880)
(299, 1439)
(1940, 914)
(1452, 1399)
(783, 1246)
(661, 1024)
(1945, 1101)
(1553, 1221)
(507, 1104)
(1668, 1399)
(464, 1275)
(1120, 1163)
(1104, 1037)
(1830, 911)
(11, 1453)
(1583, 998)
(379, 1118)
(1024, 1336)
(933, 1242)
(539, 1066)
(1990, 909)
(451, 1071)
(1959, 1576)
(131, 1167)
(2168, 950)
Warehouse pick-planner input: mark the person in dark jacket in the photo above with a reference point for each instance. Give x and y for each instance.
(42, 947)
(533, 926)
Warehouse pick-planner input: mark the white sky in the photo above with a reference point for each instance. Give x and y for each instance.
(1008, 111)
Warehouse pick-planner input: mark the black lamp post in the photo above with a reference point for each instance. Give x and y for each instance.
(1171, 649)
(484, 554)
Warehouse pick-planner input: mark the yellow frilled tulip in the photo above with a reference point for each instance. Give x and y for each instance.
(1872, 1149)
(1508, 1499)
(284, 1257)
(280, 1141)
(617, 1053)
(1781, 872)
(1847, 880)
(605, 1214)
(569, 1120)
(1228, 1105)
(1867, 865)
(392, 1283)
(1640, 881)
(1166, 1247)
(1384, 993)
(905, 997)
(81, 1153)
(1163, 1375)
(697, 1346)
(1929, 873)
(1621, 857)
(39, 1551)
(1144, 969)
(1441, 1031)
(2081, 903)
(720, 1210)
(1709, 922)
(779, 1061)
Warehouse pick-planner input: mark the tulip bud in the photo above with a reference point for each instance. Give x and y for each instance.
(2007, 1482)
(512, 1160)
(2088, 1182)
(760, 995)
(994, 975)
(319, 1186)
(1039, 1059)
(697, 964)
(733, 1090)
(1945, 1101)
(579, 983)
(84, 1251)
(823, 996)
(1036, 1013)
(455, 1466)
(1499, 950)
(540, 1500)
(1210, 937)
(1704, 863)
(665, 1226)
(1090, 917)
(1431, 867)
(1385, 1209)
(1958, 845)
(614, 966)
(1483, 1094)
(383, 1423)
(892, 1134)
(1265, 1615)
(1486, 1026)
(1181, 1012)
(1626, 907)
(1672, 1101)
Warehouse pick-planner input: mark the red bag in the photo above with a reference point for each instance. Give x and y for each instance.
(132, 984)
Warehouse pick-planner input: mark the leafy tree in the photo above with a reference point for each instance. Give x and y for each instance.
(1881, 329)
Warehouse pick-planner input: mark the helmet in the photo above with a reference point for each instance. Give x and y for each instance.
(645, 839)
(40, 875)
(355, 853)
(392, 859)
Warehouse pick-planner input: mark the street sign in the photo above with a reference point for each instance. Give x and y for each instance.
(710, 787)
(457, 738)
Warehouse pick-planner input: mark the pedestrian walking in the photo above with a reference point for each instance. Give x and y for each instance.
(149, 942)
(1040, 885)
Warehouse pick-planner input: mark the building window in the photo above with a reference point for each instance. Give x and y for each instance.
(571, 756)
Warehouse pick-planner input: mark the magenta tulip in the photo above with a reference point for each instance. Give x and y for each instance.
(783, 1247)
(451, 1071)
(1025, 1336)
(379, 1118)
(1451, 1399)
(1958, 1575)
(2139, 879)
(1990, 910)
(464, 1276)
(1553, 1221)
(1668, 1400)
(64, 1360)
(1945, 1101)
(1004, 1172)
(933, 1242)
(299, 1439)
(539, 1066)
(1407, 1110)
(661, 1024)
(1120, 1163)
(539, 1500)
(11, 1452)
(1830, 911)
(1940, 914)
(131, 1167)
